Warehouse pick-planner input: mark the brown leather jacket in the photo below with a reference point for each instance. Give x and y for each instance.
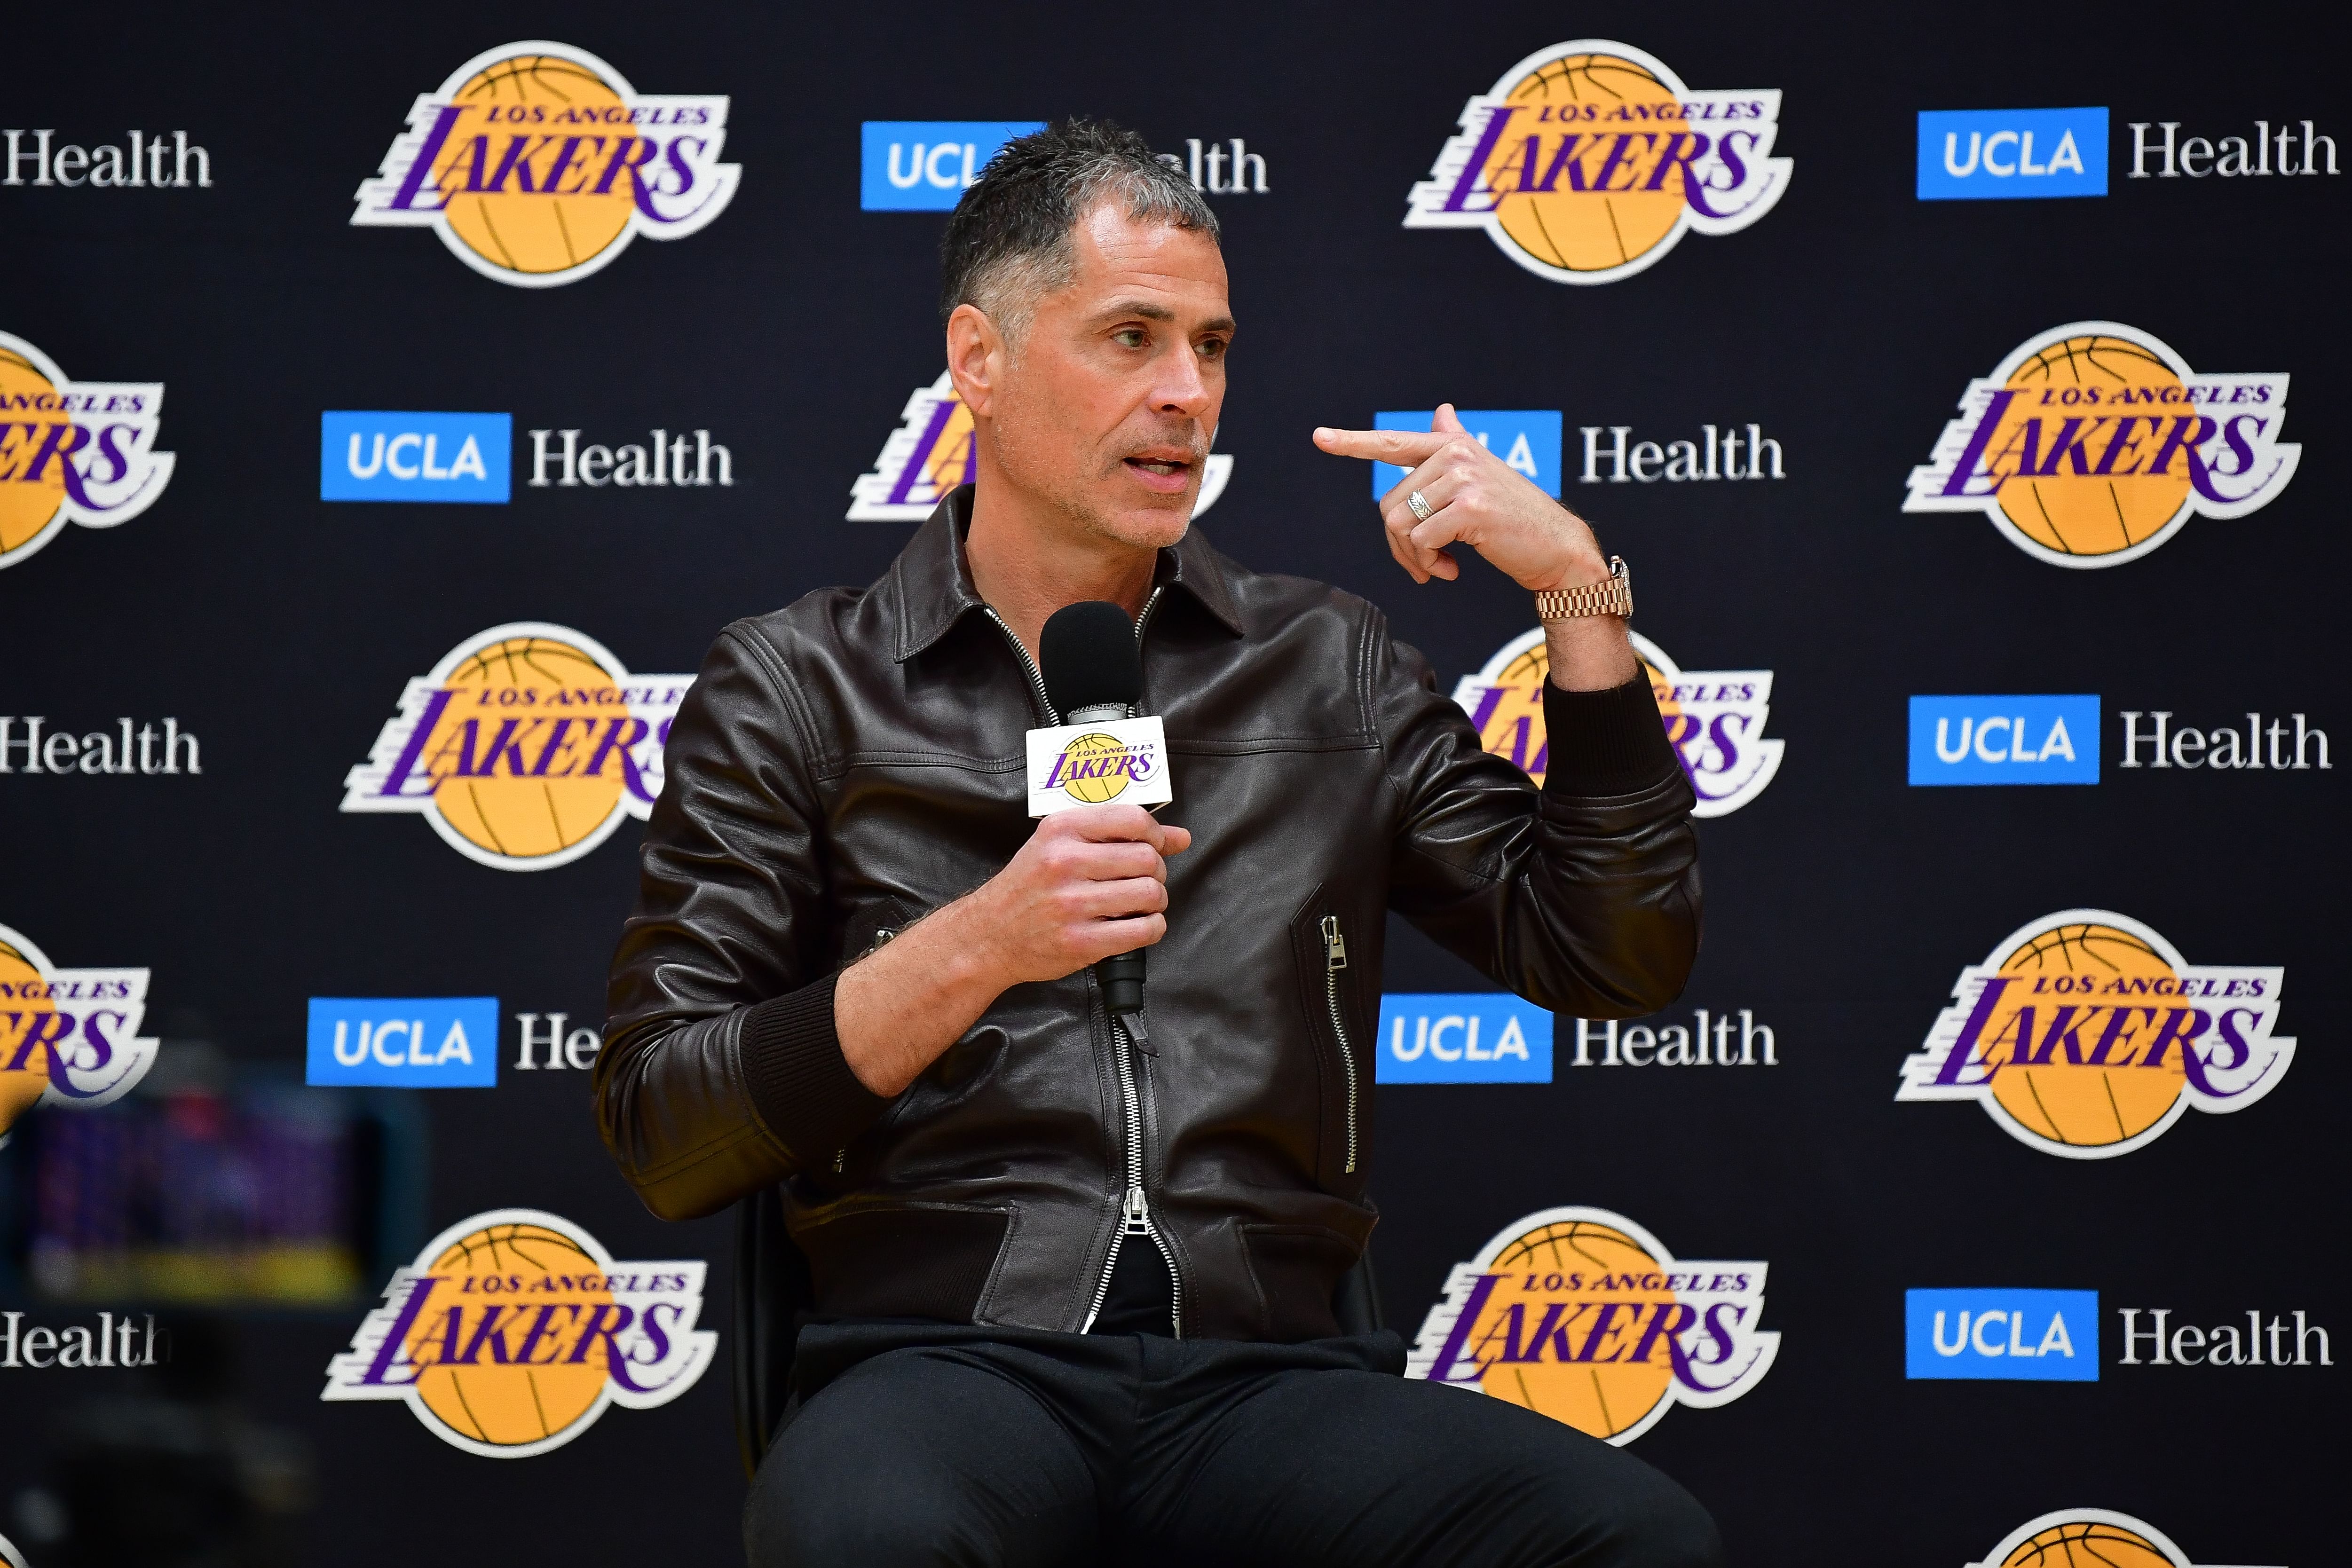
(845, 766)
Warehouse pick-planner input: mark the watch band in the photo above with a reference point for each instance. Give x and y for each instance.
(1613, 595)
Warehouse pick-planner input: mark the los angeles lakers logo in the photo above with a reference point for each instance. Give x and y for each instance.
(2094, 442)
(1589, 161)
(536, 163)
(1583, 1315)
(2083, 1538)
(2087, 1034)
(514, 1330)
(524, 747)
(68, 1037)
(1713, 718)
(931, 453)
(1098, 767)
(72, 451)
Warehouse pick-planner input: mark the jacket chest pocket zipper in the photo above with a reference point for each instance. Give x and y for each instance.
(1335, 958)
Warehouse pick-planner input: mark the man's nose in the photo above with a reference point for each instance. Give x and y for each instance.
(1181, 389)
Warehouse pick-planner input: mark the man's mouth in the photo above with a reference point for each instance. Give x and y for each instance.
(1164, 470)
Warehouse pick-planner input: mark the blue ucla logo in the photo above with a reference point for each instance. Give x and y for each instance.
(1526, 438)
(2035, 1336)
(2003, 154)
(403, 1042)
(1473, 1038)
(924, 165)
(2005, 740)
(374, 456)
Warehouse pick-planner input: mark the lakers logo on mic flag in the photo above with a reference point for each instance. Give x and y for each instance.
(1093, 764)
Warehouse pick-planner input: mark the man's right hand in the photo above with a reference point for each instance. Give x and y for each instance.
(1090, 882)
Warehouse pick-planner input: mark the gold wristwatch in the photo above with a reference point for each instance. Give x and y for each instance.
(1611, 596)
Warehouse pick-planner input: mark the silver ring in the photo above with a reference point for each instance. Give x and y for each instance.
(1418, 506)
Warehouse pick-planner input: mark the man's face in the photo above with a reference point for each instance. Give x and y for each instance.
(1110, 398)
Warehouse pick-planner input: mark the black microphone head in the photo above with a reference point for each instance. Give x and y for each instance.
(1087, 655)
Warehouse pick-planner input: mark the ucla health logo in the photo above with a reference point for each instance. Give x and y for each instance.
(2094, 442)
(415, 456)
(2087, 1034)
(403, 1042)
(79, 452)
(1582, 1315)
(1526, 439)
(1713, 718)
(68, 1037)
(1466, 1038)
(2033, 1336)
(2005, 740)
(931, 453)
(926, 166)
(524, 747)
(536, 163)
(514, 1330)
(1589, 161)
(2087, 1536)
(2002, 154)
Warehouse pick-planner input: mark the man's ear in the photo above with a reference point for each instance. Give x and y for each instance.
(976, 358)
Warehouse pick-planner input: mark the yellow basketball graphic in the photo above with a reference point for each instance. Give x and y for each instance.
(2087, 1545)
(2081, 1103)
(1602, 1399)
(473, 1387)
(514, 1332)
(553, 208)
(1095, 788)
(27, 504)
(497, 783)
(1564, 217)
(2066, 511)
(21, 1084)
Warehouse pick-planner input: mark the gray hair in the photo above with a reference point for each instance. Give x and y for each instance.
(1008, 241)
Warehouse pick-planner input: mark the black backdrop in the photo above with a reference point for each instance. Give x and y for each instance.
(1841, 903)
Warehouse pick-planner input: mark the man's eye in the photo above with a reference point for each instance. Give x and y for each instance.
(1213, 348)
(1128, 337)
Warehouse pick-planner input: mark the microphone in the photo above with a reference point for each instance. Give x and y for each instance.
(1094, 671)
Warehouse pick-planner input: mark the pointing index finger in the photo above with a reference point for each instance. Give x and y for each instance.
(1405, 448)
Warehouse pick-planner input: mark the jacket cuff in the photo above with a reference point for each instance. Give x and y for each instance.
(800, 1082)
(1608, 742)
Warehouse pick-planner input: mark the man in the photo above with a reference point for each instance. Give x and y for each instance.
(1073, 1290)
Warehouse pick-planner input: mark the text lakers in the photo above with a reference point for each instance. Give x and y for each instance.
(514, 1330)
(2087, 1034)
(1583, 1315)
(2093, 444)
(524, 747)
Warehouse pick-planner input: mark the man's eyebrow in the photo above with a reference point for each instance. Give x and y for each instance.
(1151, 312)
(1143, 308)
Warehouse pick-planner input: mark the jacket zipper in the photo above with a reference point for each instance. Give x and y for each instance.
(1335, 958)
(1135, 1207)
(1037, 676)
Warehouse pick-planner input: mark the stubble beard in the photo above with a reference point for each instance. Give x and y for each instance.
(1027, 463)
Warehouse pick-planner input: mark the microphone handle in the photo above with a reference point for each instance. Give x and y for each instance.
(1121, 979)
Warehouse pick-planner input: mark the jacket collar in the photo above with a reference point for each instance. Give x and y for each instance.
(931, 587)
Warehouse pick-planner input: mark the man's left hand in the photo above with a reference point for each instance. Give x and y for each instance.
(1474, 499)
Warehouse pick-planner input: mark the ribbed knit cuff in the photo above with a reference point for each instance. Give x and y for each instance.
(1608, 742)
(800, 1082)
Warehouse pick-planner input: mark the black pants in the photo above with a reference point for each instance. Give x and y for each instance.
(990, 1447)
